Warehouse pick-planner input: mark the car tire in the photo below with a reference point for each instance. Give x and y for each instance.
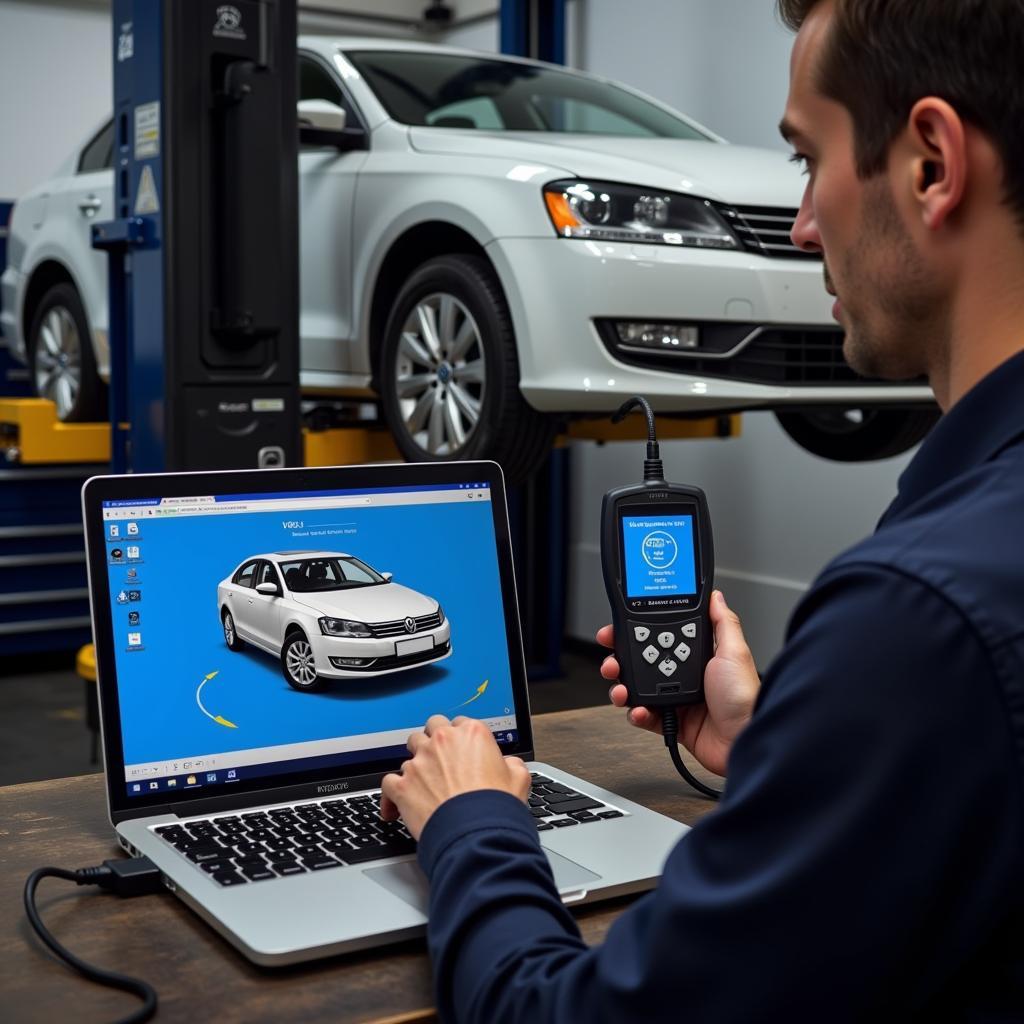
(231, 637)
(456, 395)
(858, 435)
(62, 364)
(298, 665)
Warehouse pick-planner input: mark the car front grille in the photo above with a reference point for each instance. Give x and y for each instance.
(762, 355)
(765, 230)
(397, 626)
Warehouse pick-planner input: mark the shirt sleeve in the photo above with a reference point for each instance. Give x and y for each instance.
(865, 847)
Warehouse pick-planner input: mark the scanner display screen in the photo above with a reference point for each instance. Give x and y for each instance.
(660, 556)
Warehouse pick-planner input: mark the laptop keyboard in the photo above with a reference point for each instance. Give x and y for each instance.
(257, 846)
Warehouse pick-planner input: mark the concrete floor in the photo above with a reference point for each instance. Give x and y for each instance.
(43, 731)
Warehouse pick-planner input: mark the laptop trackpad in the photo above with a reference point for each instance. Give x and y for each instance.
(408, 882)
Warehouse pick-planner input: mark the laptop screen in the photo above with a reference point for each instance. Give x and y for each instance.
(257, 636)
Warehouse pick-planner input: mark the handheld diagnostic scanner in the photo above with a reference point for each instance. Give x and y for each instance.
(657, 556)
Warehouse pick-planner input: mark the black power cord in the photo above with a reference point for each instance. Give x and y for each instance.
(670, 730)
(654, 470)
(137, 876)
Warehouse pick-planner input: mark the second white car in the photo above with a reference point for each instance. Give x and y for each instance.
(328, 615)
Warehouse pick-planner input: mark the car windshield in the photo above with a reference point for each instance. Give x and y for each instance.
(312, 575)
(457, 91)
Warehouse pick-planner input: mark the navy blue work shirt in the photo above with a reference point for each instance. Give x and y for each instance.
(867, 859)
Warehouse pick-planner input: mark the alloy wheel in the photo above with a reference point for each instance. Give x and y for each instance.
(229, 630)
(440, 374)
(58, 360)
(300, 663)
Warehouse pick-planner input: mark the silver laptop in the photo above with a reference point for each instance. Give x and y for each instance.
(266, 641)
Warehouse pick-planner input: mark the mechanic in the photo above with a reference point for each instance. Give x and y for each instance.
(866, 860)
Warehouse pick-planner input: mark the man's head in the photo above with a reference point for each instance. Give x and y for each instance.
(908, 115)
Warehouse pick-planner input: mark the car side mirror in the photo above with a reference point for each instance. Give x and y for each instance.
(388, 576)
(322, 123)
(271, 589)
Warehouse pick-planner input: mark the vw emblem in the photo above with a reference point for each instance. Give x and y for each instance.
(228, 17)
(410, 625)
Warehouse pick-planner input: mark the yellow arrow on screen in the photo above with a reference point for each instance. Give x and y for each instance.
(220, 720)
(476, 696)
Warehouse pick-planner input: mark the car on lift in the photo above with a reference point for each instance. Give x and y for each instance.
(328, 615)
(491, 246)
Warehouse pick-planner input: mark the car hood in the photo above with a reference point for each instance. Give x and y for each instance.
(742, 175)
(383, 603)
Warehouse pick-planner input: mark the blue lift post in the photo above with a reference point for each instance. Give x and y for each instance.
(539, 510)
(203, 252)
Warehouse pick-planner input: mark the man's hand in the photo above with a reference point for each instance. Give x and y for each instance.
(731, 685)
(449, 758)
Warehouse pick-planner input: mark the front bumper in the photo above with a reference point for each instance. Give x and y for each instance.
(380, 656)
(559, 289)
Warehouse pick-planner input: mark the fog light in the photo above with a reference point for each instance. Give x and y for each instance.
(667, 337)
(350, 662)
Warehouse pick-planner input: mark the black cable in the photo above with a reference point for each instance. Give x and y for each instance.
(670, 730)
(653, 468)
(134, 877)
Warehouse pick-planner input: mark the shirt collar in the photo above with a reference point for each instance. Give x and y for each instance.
(978, 427)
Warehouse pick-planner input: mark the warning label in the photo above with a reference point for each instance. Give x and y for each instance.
(146, 200)
(147, 131)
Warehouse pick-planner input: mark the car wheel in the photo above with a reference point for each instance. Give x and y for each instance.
(298, 664)
(858, 435)
(230, 636)
(62, 364)
(449, 372)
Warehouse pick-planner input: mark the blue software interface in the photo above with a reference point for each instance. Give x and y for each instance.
(660, 556)
(263, 634)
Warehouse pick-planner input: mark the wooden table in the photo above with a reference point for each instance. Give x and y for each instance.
(197, 974)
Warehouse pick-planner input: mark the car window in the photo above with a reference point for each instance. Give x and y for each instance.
(311, 575)
(357, 572)
(267, 574)
(98, 154)
(316, 83)
(246, 575)
(565, 114)
(419, 88)
(478, 113)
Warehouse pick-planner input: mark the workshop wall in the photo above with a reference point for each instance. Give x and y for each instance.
(55, 86)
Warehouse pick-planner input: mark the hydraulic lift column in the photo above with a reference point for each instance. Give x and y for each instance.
(204, 254)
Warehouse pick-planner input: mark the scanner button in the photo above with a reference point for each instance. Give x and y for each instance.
(690, 630)
(641, 633)
(651, 654)
(682, 652)
(667, 667)
(666, 639)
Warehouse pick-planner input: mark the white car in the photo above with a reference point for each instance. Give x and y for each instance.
(328, 615)
(495, 245)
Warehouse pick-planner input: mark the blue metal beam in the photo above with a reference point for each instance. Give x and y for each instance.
(534, 28)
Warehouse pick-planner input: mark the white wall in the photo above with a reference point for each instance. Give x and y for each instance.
(55, 86)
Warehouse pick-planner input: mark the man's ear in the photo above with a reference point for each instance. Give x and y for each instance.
(938, 144)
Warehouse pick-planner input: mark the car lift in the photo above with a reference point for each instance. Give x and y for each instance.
(39, 518)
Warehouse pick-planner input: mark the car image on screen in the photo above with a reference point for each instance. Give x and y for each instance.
(328, 615)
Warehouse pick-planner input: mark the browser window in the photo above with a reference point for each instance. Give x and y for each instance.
(261, 634)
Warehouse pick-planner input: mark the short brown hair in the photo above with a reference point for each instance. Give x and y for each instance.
(882, 56)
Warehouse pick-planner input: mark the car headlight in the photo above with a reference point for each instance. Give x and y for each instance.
(625, 213)
(440, 615)
(344, 627)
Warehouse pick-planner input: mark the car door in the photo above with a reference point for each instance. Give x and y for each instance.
(265, 609)
(241, 599)
(78, 201)
(327, 183)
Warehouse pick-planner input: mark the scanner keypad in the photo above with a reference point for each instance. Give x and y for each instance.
(665, 656)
